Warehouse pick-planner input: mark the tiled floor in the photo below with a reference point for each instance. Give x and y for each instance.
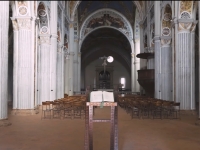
(32, 133)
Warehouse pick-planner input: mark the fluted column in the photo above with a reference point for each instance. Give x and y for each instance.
(79, 71)
(71, 59)
(137, 64)
(75, 66)
(24, 63)
(157, 52)
(184, 66)
(66, 75)
(166, 72)
(15, 60)
(44, 69)
(4, 24)
(133, 73)
(59, 72)
(53, 49)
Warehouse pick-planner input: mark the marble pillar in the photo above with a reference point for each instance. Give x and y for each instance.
(157, 53)
(133, 73)
(166, 72)
(75, 66)
(44, 69)
(66, 75)
(71, 59)
(4, 24)
(24, 65)
(199, 56)
(79, 71)
(137, 64)
(53, 49)
(59, 73)
(184, 66)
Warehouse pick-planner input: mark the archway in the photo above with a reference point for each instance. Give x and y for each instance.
(105, 42)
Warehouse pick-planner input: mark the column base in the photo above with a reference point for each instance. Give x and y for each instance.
(25, 112)
(5, 123)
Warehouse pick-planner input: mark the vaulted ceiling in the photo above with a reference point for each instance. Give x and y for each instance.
(106, 41)
(127, 8)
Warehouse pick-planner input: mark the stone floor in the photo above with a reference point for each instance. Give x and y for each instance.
(32, 133)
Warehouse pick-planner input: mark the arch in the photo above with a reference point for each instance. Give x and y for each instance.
(76, 4)
(82, 40)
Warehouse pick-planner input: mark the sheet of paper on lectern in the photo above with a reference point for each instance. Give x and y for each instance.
(101, 96)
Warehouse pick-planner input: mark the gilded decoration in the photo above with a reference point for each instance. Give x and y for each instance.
(22, 3)
(186, 6)
(44, 40)
(15, 25)
(71, 6)
(24, 23)
(166, 25)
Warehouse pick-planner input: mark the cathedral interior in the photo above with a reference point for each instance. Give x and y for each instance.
(55, 53)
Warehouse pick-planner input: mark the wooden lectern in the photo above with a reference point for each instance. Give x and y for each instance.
(89, 124)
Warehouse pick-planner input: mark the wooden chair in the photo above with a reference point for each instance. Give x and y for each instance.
(46, 110)
(56, 111)
(176, 110)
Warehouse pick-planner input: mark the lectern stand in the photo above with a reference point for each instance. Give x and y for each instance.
(89, 124)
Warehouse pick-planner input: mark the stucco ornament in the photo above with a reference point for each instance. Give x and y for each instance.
(24, 23)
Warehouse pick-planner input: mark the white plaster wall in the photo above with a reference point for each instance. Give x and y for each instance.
(118, 72)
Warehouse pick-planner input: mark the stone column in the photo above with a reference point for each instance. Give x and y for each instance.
(24, 76)
(137, 64)
(59, 72)
(184, 65)
(79, 71)
(71, 59)
(66, 75)
(157, 52)
(44, 69)
(199, 61)
(133, 73)
(166, 69)
(4, 24)
(62, 74)
(15, 60)
(75, 66)
(53, 49)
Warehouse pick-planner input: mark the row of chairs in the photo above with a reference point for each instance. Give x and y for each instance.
(146, 107)
(69, 107)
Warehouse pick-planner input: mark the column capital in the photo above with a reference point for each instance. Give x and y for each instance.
(156, 38)
(44, 39)
(24, 22)
(186, 25)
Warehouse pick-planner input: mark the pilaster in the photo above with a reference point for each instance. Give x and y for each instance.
(44, 69)
(53, 49)
(184, 66)
(4, 24)
(157, 52)
(79, 71)
(23, 64)
(71, 59)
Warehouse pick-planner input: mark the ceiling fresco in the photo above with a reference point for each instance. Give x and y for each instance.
(127, 8)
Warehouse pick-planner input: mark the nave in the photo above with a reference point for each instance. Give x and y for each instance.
(32, 133)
